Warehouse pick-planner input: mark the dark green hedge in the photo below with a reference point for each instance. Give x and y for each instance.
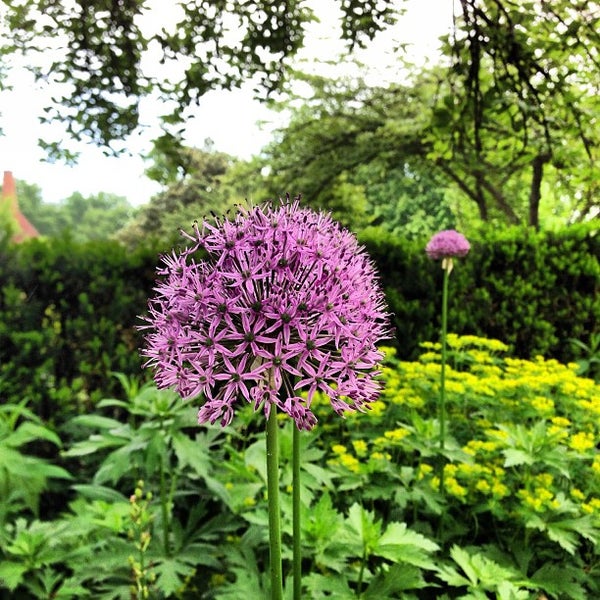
(533, 290)
(67, 319)
(68, 311)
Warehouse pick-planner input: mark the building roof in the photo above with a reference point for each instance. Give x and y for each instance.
(25, 229)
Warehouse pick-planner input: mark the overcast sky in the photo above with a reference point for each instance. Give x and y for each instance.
(228, 118)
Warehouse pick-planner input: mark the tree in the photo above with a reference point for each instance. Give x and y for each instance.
(520, 98)
(484, 133)
(83, 218)
(46, 217)
(197, 182)
(101, 52)
(361, 152)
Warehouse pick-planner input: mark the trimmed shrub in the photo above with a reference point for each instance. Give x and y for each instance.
(68, 311)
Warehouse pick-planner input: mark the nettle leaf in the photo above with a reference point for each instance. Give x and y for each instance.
(323, 586)
(11, 573)
(361, 523)
(171, 574)
(398, 578)
(400, 544)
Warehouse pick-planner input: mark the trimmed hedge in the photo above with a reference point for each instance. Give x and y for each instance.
(533, 290)
(68, 311)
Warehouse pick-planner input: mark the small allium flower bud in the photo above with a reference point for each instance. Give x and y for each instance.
(447, 244)
(278, 301)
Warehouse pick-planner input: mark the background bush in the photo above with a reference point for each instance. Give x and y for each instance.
(68, 311)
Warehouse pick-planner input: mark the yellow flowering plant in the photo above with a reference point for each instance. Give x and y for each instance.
(522, 468)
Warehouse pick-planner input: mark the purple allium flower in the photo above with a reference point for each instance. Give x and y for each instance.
(447, 244)
(277, 301)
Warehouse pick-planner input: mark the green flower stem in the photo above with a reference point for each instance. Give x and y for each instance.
(297, 548)
(274, 510)
(164, 510)
(443, 372)
(447, 267)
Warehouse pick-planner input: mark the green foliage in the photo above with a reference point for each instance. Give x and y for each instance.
(68, 313)
(206, 44)
(158, 539)
(197, 182)
(166, 508)
(23, 475)
(83, 219)
(534, 290)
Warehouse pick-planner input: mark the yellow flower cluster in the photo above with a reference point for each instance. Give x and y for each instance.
(512, 418)
(396, 435)
(581, 441)
(539, 500)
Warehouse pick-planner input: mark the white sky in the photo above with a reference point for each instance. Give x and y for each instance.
(228, 118)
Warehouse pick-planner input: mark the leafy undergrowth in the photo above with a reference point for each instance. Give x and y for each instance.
(507, 508)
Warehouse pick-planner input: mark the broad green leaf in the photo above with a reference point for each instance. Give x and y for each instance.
(99, 492)
(398, 578)
(11, 573)
(514, 457)
(29, 432)
(400, 544)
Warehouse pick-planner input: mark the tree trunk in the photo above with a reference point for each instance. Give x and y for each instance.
(535, 192)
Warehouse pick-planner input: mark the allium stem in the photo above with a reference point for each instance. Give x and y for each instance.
(447, 267)
(274, 511)
(164, 510)
(297, 548)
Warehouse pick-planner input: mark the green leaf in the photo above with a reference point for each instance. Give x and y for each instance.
(97, 422)
(256, 457)
(398, 578)
(559, 580)
(514, 457)
(566, 532)
(325, 586)
(400, 544)
(192, 453)
(171, 574)
(508, 591)
(363, 528)
(99, 492)
(29, 432)
(11, 574)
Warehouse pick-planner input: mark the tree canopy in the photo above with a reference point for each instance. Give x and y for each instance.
(507, 120)
(83, 218)
(102, 52)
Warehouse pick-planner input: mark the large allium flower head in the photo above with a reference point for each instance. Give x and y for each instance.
(447, 244)
(268, 307)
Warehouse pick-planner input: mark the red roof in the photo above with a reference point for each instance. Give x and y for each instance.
(25, 229)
